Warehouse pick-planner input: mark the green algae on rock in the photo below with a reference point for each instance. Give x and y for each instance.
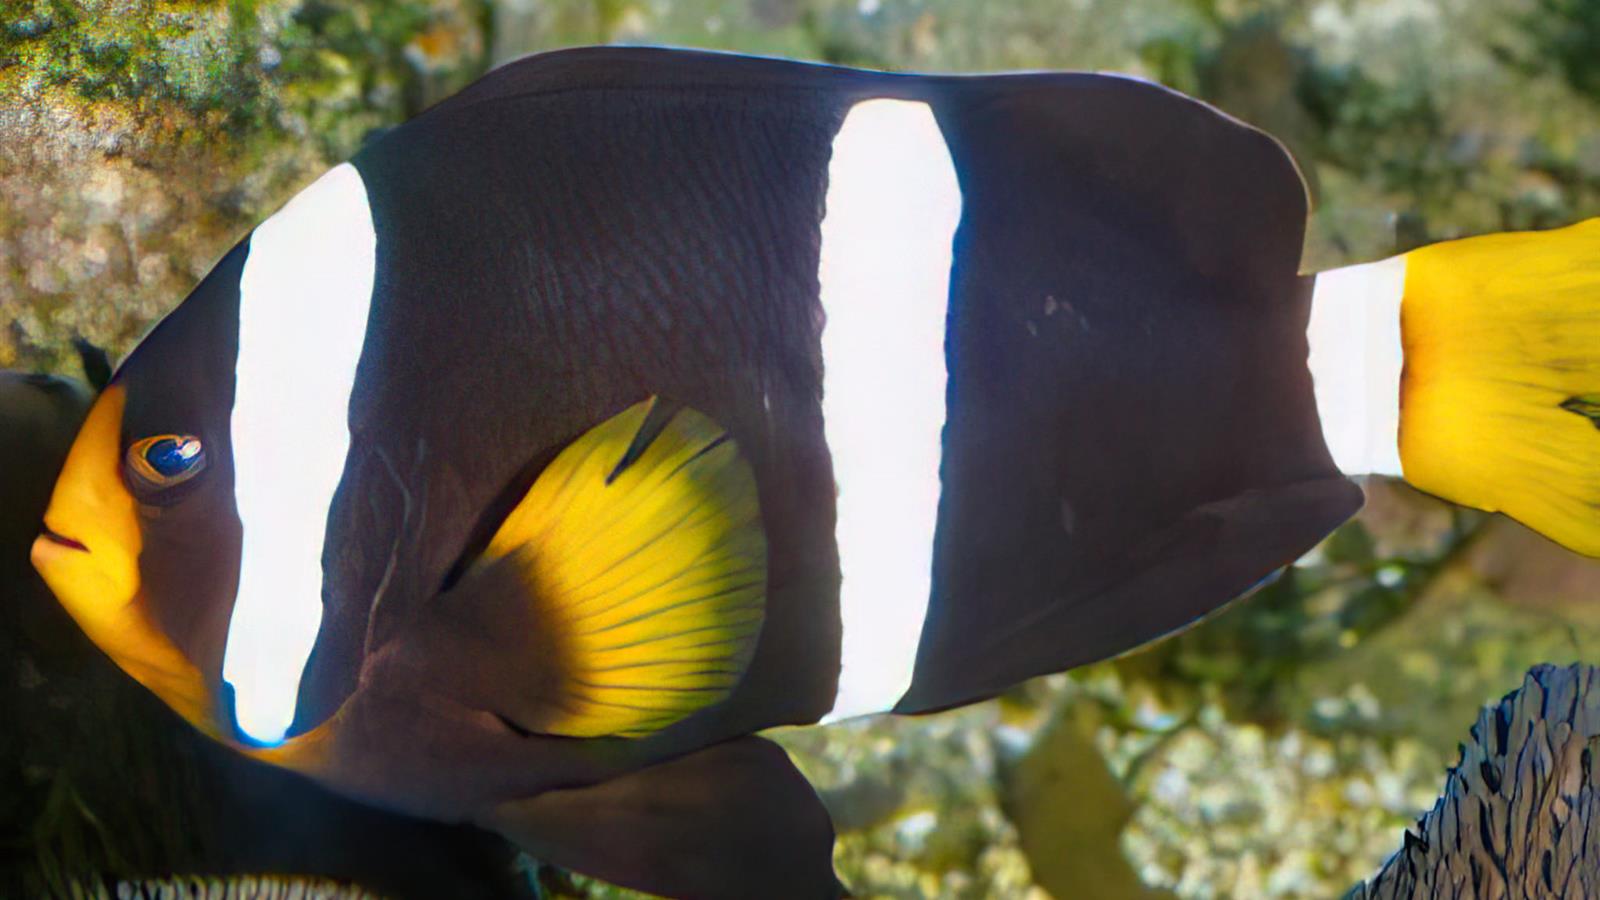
(139, 139)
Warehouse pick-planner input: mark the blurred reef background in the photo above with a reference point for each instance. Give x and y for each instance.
(1276, 750)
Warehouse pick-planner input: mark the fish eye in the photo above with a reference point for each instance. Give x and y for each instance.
(164, 461)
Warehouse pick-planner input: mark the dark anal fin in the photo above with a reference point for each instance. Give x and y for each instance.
(736, 820)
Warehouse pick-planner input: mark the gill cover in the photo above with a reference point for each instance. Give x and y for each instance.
(1500, 398)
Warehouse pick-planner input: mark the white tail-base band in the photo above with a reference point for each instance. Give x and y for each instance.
(1356, 360)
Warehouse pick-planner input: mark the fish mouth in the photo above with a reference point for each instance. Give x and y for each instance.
(61, 539)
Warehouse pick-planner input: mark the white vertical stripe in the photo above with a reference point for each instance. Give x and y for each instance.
(303, 303)
(1356, 360)
(892, 208)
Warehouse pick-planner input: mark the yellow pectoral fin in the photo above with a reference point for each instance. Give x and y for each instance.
(642, 543)
(1502, 377)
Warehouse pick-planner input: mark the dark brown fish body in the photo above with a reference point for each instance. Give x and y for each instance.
(1129, 439)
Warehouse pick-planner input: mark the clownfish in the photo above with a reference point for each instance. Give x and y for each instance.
(525, 467)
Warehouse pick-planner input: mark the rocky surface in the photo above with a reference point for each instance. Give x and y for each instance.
(140, 139)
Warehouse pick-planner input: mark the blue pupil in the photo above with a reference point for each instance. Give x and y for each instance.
(173, 457)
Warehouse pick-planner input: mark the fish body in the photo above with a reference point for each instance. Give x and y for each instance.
(41, 414)
(632, 402)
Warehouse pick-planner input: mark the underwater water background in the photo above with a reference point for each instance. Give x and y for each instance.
(1275, 750)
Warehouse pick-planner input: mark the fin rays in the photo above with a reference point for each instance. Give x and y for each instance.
(1586, 405)
(1498, 401)
(641, 545)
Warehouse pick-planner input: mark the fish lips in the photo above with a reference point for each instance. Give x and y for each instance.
(45, 534)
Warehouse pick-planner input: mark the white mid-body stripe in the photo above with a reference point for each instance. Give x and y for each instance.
(1356, 360)
(304, 297)
(891, 212)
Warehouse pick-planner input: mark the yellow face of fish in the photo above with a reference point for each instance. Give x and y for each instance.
(89, 556)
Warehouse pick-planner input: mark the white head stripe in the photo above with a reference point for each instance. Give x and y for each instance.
(893, 204)
(1356, 360)
(303, 303)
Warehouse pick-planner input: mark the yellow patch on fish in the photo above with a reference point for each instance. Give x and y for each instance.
(98, 581)
(1502, 372)
(647, 557)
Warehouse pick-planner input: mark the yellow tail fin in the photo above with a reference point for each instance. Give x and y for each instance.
(1500, 398)
(642, 542)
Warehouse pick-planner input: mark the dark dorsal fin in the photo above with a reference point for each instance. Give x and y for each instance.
(96, 364)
